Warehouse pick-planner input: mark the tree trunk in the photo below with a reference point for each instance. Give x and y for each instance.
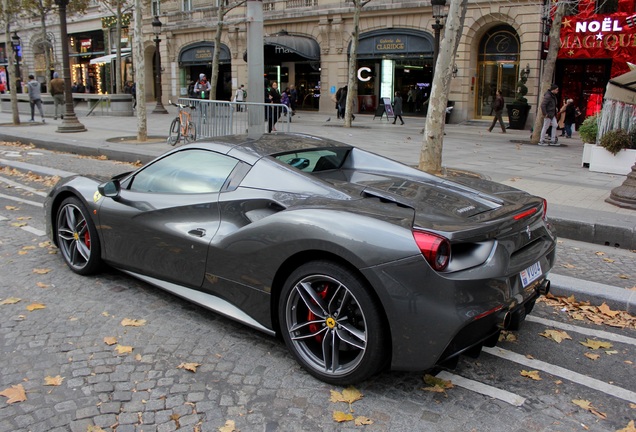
(47, 53)
(140, 75)
(13, 82)
(352, 82)
(220, 14)
(118, 85)
(548, 69)
(432, 145)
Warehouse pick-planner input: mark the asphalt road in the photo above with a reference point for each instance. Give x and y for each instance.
(249, 378)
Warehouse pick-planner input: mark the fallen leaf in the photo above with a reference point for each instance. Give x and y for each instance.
(10, 300)
(631, 427)
(595, 344)
(18, 224)
(507, 336)
(348, 395)
(14, 394)
(92, 428)
(42, 285)
(604, 308)
(623, 276)
(138, 357)
(531, 374)
(53, 381)
(192, 367)
(35, 306)
(628, 362)
(556, 335)
(361, 421)
(608, 260)
(230, 426)
(436, 385)
(340, 416)
(41, 270)
(632, 405)
(592, 356)
(110, 340)
(611, 352)
(13, 208)
(569, 266)
(175, 418)
(127, 322)
(123, 349)
(587, 405)
(600, 253)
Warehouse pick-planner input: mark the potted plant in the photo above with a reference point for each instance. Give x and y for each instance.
(519, 109)
(616, 153)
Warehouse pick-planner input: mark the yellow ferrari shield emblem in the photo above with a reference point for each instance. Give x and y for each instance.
(331, 323)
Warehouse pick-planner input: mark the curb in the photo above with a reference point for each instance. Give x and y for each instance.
(596, 293)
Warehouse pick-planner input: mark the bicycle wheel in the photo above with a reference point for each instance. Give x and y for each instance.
(175, 132)
(191, 133)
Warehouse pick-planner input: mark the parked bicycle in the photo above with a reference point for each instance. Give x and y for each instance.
(182, 126)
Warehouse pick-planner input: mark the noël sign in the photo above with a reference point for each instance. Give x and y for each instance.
(364, 73)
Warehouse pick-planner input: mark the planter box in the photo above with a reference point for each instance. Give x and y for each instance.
(603, 161)
(587, 154)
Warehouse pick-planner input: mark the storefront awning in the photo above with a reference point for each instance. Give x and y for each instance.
(107, 58)
(622, 88)
(302, 45)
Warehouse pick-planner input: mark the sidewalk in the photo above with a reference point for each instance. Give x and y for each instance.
(575, 195)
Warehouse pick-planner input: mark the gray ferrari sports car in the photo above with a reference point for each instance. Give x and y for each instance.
(359, 262)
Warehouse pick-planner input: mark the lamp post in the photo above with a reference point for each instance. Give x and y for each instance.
(70, 122)
(439, 15)
(156, 29)
(15, 43)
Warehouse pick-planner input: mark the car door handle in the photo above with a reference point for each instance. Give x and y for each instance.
(199, 232)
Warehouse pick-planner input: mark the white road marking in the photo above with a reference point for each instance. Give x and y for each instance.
(21, 186)
(567, 374)
(21, 200)
(582, 330)
(485, 389)
(2, 218)
(33, 230)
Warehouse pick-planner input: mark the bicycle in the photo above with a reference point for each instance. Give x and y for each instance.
(182, 125)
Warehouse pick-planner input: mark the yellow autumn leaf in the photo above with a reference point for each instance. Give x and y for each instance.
(361, 421)
(595, 344)
(110, 340)
(436, 385)
(14, 394)
(192, 367)
(632, 405)
(18, 224)
(623, 276)
(608, 260)
(92, 428)
(123, 349)
(230, 426)
(605, 309)
(631, 427)
(127, 322)
(41, 270)
(592, 356)
(10, 300)
(506, 336)
(348, 395)
(53, 381)
(340, 416)
(600, 253)
(568, 266)
(611, 352)
(42, 285)
(556, 335)
(13, 208)
(35, 306)
(23, 252)
(138, 357)
(531, 374)
(28, 248)
(587, 405)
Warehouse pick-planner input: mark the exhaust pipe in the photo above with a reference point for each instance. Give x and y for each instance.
(544, 288)
(504, 320)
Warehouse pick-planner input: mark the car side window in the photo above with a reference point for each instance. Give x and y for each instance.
(185, 172)
(315, 160)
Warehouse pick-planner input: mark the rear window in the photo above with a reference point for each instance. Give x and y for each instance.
(315, 160)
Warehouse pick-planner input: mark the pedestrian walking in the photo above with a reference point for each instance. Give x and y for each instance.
(549, 110)
(239, 97)
(274, 98)
(397, 107)
(57, 91)
(497, 109)
(561, 117)
(35, 97)
(571, 113)
(293, 98)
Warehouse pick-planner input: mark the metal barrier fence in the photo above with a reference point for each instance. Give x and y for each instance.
(214, 118)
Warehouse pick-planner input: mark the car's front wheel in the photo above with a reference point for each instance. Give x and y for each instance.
(332, 324)
(77, 237)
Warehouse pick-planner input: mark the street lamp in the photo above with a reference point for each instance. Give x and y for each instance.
(15, 43)
(156, 29)
(439, 14)
(70, 122)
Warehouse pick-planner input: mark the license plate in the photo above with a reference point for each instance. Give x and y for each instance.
(530, 274)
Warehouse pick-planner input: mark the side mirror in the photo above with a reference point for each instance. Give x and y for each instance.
(110, 189)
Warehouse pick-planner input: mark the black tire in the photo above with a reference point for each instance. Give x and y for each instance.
(324, 305)
(77, 237)
(191, 135)
(175, 131)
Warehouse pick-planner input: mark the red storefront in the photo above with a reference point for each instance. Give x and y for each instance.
(598, 39)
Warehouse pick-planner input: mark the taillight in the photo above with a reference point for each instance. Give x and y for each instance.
(436, 249)
(545, 209)
(524, 214)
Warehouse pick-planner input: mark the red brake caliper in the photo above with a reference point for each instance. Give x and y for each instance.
(87, 238)
(314, 328)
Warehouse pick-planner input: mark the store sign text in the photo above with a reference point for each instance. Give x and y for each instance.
(607, 25)
(610, 42)
(364, 77)
(389, 44)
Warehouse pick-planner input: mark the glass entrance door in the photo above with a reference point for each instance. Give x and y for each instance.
(494, 76)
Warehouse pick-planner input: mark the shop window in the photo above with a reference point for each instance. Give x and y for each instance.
(606, 6)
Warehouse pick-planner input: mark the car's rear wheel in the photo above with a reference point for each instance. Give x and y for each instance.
(332, 324)
(77, 237)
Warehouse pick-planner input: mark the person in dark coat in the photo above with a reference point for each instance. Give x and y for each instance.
(274, 98)
(549, 106)
(570, 118)
(497, 108)
(397, 107)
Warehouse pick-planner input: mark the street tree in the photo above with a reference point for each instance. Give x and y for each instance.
(433, 141)
(352, 82)
(223, 7)
(8, 15)
(549, 64)
(140, 74)
(121, 11)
